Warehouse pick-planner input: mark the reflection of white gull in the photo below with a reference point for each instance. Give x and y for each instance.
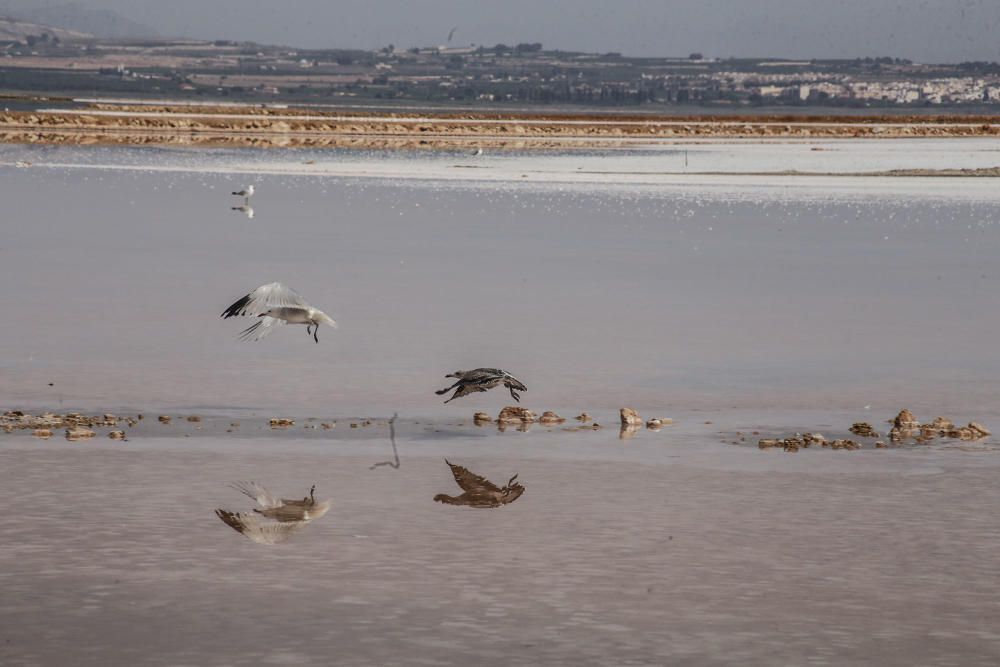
(275, 305)
(246, 209)
(286, 517)
(246, 192)
(261, 532)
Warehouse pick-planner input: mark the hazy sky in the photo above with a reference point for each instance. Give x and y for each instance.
(923, 30)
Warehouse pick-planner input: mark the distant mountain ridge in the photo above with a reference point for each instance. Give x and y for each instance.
(102, 23)
(16, 31)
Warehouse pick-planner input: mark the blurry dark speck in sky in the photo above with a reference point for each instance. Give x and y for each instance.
(926, 31)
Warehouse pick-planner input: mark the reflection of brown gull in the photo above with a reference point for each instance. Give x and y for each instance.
(482, 379)
(479, 491)
(278, 519)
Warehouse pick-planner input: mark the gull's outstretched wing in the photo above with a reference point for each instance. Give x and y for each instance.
(465, 390)
(258, 493)
(471, 482)
(263, 326)
(262, 532)
(265, 297)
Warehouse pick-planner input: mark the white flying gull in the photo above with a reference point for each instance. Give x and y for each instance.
(275, 304)
(246, 192)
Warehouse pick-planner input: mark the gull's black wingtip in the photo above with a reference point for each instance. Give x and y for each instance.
(237, 308)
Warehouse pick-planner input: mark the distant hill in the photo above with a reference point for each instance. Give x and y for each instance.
(102, 23)
(14, 30)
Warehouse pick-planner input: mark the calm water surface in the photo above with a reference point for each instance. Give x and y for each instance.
(594, 295)
(792, 309)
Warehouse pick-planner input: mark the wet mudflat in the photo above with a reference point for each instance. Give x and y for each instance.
(666, 548)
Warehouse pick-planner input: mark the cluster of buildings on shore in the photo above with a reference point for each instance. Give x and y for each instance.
(522, 73)
(823, 87)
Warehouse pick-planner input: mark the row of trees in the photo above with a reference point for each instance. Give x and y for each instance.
(42, 39)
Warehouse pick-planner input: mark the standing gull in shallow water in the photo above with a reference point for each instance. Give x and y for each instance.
(246, 193)
(482, 379)
(276, 304)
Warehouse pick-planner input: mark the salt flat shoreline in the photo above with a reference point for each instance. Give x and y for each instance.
(926, 169)
(236, 126)
(745, 429)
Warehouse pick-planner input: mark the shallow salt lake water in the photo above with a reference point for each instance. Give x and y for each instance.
(662, 549)
(730, 303)
(595, 295)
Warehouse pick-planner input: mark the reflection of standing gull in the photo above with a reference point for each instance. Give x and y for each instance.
(479, 491)
(245, 209)
(392, 438)
(287, 517)
(275, 305)
(482, 379)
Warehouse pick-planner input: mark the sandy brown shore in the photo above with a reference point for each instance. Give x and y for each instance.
(114, 124)
(906, 431)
